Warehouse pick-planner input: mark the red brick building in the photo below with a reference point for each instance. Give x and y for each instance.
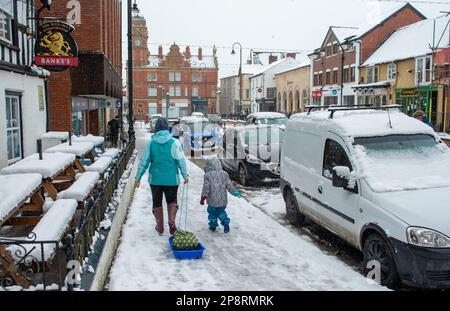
(334, 70)
(83, 99)
(188, 82)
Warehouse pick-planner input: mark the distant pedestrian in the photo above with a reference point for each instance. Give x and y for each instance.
(420, 115)
(216, 183)
(165, 157)
(114, 128)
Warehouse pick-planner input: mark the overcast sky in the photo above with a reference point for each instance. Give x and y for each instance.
(269, 24)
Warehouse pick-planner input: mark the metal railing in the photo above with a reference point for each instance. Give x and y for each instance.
(23, 261)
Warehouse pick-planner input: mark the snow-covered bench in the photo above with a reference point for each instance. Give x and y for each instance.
(15, 191)
(52, 227)
(53, 166)
(80, 190)
(111, 153)
(100, 166)
(79, 149)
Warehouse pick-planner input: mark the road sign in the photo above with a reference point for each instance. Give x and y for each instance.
(118, 104)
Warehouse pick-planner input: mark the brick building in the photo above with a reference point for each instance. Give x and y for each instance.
(83, 99)
(335, 65)
(186, 81)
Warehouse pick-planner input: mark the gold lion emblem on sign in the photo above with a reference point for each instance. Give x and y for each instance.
(55, 43)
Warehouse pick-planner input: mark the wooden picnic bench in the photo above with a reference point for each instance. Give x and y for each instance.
(20, 193)
(56, 170)
(40, 245)
(79, 149)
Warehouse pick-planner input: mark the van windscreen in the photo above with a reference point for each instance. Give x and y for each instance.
(397, 142)
(402, 162)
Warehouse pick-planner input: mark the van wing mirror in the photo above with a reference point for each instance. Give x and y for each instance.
(341, 175)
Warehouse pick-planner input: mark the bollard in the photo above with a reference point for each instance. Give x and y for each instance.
(39, 148)
(70, 138)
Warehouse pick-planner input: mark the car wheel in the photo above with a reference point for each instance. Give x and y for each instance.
(293, 214)
(243, 176)
(377, 249)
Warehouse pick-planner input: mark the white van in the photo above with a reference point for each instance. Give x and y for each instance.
(380, 181)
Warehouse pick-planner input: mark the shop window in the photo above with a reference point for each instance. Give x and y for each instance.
(330, 100)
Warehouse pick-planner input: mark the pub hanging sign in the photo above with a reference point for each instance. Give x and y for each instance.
(56, 49)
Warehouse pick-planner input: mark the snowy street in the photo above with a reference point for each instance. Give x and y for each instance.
(258, 254)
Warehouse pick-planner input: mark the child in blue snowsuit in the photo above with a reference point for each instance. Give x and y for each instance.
(216, 184)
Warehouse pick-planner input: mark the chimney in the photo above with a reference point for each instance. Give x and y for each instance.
(187, 54)
(272, 59)
(200, 54)
(292, 55)
(160, 52)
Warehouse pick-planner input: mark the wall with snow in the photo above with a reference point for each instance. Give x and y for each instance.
(33, 119)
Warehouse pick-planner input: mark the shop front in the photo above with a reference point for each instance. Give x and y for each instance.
(421, 98)
(373, 95)
(200, 105)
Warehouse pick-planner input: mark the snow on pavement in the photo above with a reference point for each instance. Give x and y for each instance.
(258, 253)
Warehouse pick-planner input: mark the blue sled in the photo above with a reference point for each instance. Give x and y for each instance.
(193, 254)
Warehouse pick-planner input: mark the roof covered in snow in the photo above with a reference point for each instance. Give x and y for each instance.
(364, 123)
(381, 17)
(288, 61)
(411, 41)
(302, 61)
(343, 33)
(247, 69)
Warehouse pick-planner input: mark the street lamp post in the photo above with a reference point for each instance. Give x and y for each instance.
(130, 69)
(233, 52)
(203, 68)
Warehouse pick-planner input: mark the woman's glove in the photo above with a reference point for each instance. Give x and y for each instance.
(202, 201)
(237, 194)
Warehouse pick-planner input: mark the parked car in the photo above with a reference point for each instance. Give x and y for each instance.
(198, 114)
(274, 118)
(379, 181)
(251, 153)
(214, 118)
(153, 119)
(175, 127)
(199, 135)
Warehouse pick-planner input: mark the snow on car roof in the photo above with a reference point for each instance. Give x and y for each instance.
(365, 123)
(193, 119)
(266, 115)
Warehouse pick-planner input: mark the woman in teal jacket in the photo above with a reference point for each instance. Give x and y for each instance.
(166, 159)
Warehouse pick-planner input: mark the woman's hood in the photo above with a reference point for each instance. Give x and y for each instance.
(162, 137)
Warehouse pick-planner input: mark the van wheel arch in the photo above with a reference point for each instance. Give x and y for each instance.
(367, 230)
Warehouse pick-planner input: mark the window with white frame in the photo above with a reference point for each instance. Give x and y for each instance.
(171, 76)
(13, 128)
(172, 91)
(152, 91)
(392, 71)
(177, 76)
(152, 77)
(178, 91)
(195, 92)
(372, 74)
(423, 70)
(6, 14)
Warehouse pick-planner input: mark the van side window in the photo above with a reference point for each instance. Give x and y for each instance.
(334, 155)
